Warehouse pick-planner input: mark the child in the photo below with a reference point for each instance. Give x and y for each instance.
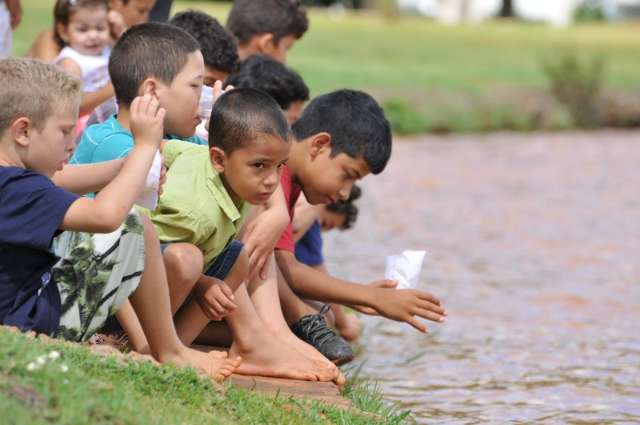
(176, 81)
(10, 17)
(220, 55)
(269, 27)
(72, 295)
(123, 14)
(272, 77)
(218, 47)
(340, 138)
(81, 29)
(310, 221)
(284, 85)
(249, 143)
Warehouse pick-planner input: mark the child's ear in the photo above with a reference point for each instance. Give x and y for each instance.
(320, 142)
(21, 130)
(149, 86)
(218, 159)
(266, 43)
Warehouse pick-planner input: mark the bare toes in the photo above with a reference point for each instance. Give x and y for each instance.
(218, 354)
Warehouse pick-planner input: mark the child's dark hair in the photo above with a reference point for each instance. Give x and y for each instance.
(356, 123)
(218, 46)
(264, 73)
(151, 49)
(278, 17)
(347, 208)
(63, 10)
(240, 115)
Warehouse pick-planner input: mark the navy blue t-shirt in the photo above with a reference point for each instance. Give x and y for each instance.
(31, 210)
(309, 247)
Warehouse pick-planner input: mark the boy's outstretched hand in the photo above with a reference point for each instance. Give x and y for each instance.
(214, 297)
(147, 121)
(404, 305)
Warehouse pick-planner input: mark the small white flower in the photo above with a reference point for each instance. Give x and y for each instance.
(64, 368)
(41, 360)
(54, 355)
(32, 366)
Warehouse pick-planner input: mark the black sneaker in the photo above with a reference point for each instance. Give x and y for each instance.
(313, 329)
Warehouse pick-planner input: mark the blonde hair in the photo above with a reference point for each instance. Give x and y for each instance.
(33, 89)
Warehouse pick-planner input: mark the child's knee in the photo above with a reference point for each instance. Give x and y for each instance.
(184, 261)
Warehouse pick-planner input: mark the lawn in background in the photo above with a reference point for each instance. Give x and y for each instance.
(434, 77)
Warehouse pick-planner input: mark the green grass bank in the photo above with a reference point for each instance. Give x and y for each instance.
(44, 382)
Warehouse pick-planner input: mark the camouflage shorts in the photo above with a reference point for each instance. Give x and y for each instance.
(95, 275)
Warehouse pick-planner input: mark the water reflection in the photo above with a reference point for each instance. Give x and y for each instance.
(534, 246)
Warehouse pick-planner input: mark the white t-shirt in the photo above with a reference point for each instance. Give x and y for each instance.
(95, 69)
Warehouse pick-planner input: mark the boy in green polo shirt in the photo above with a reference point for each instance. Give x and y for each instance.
(205, 202)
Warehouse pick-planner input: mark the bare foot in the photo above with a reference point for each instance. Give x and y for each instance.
(350, 328)
(215, 364)
(268, 356)
(310, 352)
(331, 371)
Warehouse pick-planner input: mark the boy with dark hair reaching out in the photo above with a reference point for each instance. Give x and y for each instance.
(340, 138)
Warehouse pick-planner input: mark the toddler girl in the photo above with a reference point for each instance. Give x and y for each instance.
(81, 28)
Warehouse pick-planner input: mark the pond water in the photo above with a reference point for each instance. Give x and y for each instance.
(534, 248)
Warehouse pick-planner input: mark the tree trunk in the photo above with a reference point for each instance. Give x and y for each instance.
(506, 10)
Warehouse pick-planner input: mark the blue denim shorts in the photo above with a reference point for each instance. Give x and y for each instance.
(223, 263)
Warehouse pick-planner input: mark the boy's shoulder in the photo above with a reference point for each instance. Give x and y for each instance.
(180, 150)
(195, 139)
(31, 207)
(103, 142)
(20, 179)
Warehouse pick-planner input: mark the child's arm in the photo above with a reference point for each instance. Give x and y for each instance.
(304, 217)
(90, 100)
(109, 209)
(44, 47)
(83, 179)
(400, 305)
(263, 232)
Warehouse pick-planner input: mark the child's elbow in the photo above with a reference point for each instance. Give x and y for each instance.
(108, 222)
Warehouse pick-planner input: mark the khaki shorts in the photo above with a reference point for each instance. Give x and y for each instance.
(95, 275)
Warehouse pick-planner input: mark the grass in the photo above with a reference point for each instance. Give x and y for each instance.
(434, 77)
(81, 387)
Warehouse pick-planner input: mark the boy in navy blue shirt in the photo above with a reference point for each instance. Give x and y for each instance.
(68, 287)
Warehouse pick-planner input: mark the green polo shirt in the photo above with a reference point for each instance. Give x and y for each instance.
(195, 207)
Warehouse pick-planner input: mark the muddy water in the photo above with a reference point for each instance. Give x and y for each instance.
(534, 247)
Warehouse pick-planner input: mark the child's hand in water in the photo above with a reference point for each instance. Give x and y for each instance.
(147, 121)
(214, 297)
